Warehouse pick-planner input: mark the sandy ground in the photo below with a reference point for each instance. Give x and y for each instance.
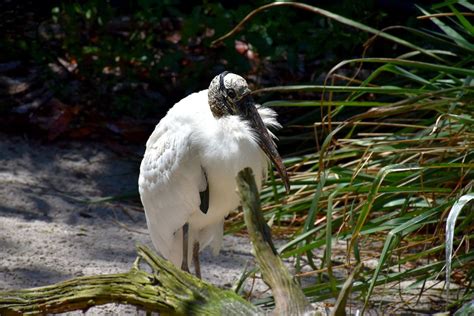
(49, 233)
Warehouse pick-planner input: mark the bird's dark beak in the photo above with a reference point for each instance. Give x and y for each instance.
(249, 111)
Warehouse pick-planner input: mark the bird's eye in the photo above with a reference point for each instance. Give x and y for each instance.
(231, 93)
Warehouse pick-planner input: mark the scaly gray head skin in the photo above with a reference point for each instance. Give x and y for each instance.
(229, 94)
(224, 93)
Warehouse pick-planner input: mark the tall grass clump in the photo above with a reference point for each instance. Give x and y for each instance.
(394, 153)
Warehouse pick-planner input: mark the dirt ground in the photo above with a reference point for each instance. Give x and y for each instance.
(49, 231)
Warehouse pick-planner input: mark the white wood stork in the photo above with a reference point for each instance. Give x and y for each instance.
(188, 175)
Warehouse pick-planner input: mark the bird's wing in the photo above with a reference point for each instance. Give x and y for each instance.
(170, 182)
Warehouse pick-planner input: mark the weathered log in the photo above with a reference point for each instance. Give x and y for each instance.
(165, 289)
(289, 298)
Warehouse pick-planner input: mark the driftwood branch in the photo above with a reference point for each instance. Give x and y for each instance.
(165, 289)
(289, 298)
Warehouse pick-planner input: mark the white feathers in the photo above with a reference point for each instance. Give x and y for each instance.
(187, 142)
(269, 118)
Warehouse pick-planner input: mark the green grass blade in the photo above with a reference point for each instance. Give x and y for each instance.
(323, 88)
(278, 103)
(455, 36)
(309, 223)
(467, 25)
(328, 250)
(410, 63)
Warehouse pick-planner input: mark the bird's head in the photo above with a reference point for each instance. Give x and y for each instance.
(229, 94)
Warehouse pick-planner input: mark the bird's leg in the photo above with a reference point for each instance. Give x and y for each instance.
(184, 263)
(197, 265)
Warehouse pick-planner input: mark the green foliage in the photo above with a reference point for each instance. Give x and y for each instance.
(388, 172)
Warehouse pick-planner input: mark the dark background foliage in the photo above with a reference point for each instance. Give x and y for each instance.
(111, 66)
